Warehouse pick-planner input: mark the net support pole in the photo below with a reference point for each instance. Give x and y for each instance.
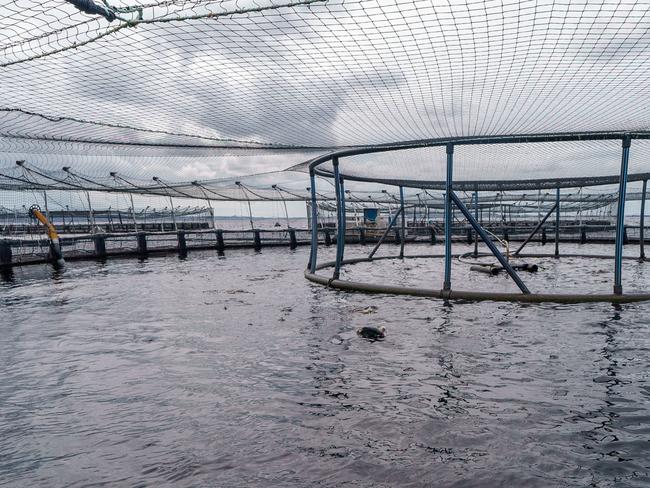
(171, 205)
(314, 224)
(535, 230)
(47, 210)
(403, 231)
(340, 218)
(135, 221)
(477, 219)
(620, 217)
(488, 242)
(383, 236)
(91, 214)
(448, 217)
(557, 222)
(642, 222)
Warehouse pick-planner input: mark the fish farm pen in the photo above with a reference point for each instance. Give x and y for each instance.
(325, 243)
(481, 140)
(121, 233)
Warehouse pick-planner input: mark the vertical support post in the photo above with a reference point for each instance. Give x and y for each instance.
(620, 217)
(448, 217)
(580, 206)
(142, 243)
(100, 246)
(6, 254)
(403, 223)
(293, 243)
(313, 255)
(328, 237)
(182, 244)
(557, 222)
(340, 217)
(343, 217)
(257, 240)
(642, 222)
(220, 244)
(477, 219)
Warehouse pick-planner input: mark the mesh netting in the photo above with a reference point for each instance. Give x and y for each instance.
(188, 89)
(502, 166)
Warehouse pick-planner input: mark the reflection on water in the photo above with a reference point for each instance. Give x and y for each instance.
(235, 371)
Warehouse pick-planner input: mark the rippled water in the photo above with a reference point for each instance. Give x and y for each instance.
(238, 372)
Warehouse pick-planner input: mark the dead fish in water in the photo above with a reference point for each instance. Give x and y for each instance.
(373, 333)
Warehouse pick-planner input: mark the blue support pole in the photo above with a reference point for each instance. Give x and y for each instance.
(557, 222)
(642, 223)
(448, 216)
(313, 256)
(620, 217)
(340, 231)
(343, 219)
(477, 219)
(403, 232)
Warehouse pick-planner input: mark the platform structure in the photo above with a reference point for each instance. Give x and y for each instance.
(333, 166)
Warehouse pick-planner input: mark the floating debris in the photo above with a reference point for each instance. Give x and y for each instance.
(372, 333)
(366, 310)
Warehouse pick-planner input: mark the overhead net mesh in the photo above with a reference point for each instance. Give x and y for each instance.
(204, 89)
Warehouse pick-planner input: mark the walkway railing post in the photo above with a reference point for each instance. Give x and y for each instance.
(642, 222)
(448, 217)
(403, 232)
(314, 224)
(620, 217)
(557, 222)
(340, 216)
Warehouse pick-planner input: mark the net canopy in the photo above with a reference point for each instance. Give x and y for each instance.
(203, 89)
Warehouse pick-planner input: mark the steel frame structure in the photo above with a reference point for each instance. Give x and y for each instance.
(451, 198)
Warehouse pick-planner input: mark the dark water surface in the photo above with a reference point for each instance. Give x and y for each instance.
(238, 372)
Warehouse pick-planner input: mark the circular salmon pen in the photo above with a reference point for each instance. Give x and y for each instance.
(524, 164)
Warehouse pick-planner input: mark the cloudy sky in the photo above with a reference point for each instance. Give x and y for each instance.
(206, 89)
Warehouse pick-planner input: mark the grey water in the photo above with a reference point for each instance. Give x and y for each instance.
(235, 371)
